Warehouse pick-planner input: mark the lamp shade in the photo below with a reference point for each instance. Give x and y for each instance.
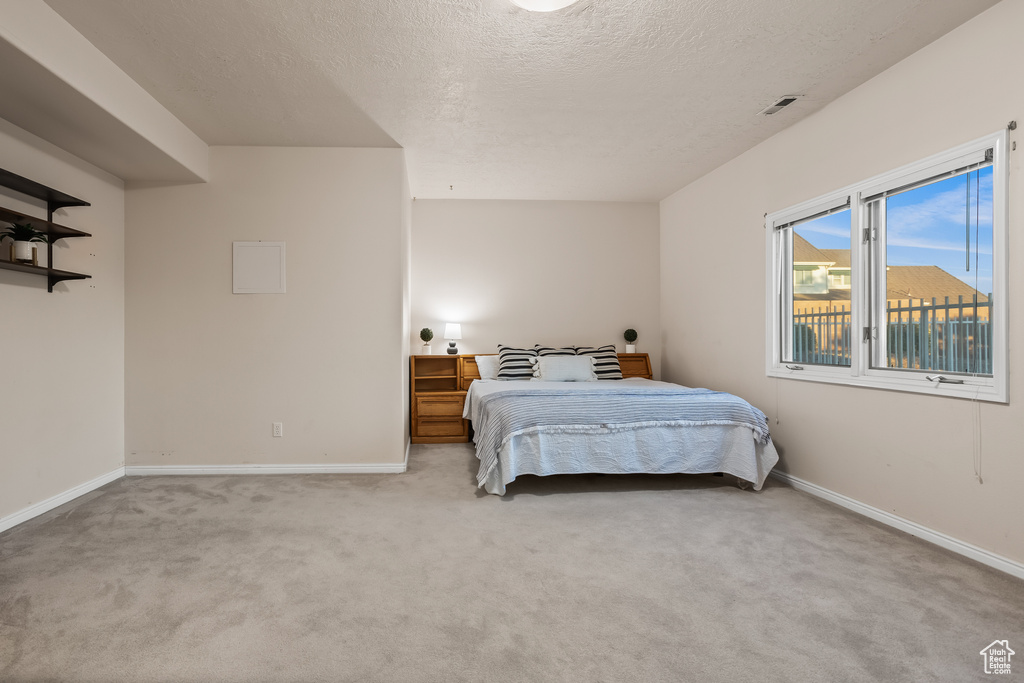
(452, 331)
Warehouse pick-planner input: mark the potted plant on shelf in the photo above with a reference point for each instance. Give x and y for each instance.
(630, 337)
(426, 334)
(23, 235)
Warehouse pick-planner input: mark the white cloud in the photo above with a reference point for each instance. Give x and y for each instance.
(825, 230)
(985, 250)
(939, 216)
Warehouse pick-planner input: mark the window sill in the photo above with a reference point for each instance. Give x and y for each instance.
(912, 382)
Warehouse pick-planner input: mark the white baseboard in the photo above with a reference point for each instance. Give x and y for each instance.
(58, 500)
(337, 468)
(913, 528)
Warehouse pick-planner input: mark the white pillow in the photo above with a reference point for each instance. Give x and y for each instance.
(488, 366)
(564, 369)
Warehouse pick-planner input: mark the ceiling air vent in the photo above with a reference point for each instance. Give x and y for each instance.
(781, 103)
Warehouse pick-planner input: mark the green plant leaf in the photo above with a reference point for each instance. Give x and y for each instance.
(24, 232)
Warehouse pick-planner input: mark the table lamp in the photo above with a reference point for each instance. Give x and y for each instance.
(452, 331)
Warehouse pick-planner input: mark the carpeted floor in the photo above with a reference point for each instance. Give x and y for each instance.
(420, 577)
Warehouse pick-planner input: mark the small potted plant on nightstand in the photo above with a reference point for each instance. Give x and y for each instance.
(630, 337)
(426, 334)
(23, 235)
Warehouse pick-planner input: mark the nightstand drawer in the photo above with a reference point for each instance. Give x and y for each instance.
(440, 426)
(436, 399)
(439, 406)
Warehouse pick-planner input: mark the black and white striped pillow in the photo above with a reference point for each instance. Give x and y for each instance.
(551, 351)
(515, 363)
(606, 361)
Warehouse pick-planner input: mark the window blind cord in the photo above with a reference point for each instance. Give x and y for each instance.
(977, 345)
(777, 418)
(977, 228)
(780, 287)
(967, 223)
(976, 410)
(977, 250)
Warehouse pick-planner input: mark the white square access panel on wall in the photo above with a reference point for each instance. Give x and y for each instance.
(258, 268)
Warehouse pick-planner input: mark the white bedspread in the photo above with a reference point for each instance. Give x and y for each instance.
(651, 427)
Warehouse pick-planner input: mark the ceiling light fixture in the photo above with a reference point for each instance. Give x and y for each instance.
(542, 5)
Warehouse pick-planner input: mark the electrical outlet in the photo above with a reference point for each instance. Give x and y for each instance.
(278, 429)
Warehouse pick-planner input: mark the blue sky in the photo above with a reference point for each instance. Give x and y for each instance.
(927, 226)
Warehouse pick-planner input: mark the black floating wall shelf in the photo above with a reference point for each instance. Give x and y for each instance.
(55, 199)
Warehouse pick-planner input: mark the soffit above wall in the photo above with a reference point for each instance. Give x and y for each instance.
(57, 86)
(623, 100)
(37, 101)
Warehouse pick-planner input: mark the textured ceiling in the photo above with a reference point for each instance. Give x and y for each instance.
(623, 100)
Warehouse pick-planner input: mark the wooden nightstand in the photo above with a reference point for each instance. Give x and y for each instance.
(635, 365)
(437, 398)
(438, 393)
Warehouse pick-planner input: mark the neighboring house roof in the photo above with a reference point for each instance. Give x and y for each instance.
(902, 282)
(910, 282)
(840, 257)
(830, 295)
(805, 252)
(927, 282)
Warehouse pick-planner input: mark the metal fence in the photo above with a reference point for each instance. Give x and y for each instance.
(942, 337)
(822, 337)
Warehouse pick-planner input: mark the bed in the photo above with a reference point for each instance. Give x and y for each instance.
(627, 426)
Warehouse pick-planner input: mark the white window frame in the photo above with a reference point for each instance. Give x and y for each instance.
(860, 371)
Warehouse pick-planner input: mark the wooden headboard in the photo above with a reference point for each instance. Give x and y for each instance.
(632, 364)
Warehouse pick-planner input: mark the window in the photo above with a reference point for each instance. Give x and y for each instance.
(898, 282)
(803, 277)
(839, 279)
(817, 314)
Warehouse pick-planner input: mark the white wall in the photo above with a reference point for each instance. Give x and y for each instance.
(209, 371)
(406, 293)
(62, 386)
(907, 454)
(535, 272)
